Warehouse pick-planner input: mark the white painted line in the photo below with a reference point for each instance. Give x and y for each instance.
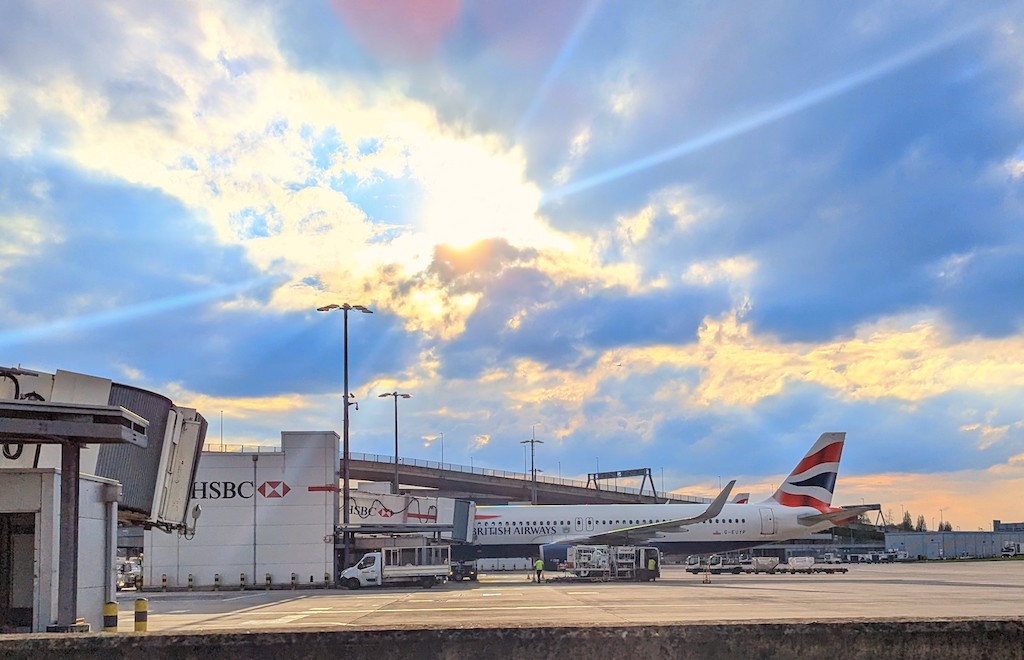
(270, 622)
(580, 593)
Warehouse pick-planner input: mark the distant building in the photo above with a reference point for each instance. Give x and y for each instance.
(1000, 526)
(950, 545)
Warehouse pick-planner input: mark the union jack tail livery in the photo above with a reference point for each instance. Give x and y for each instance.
(811, 482)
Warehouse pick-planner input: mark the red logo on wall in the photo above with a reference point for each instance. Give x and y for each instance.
(270, 489)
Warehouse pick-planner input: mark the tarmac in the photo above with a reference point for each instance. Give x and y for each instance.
(926, 591)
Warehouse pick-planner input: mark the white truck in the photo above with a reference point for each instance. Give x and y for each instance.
(1012, 549)
(612, 562)
(422, 565)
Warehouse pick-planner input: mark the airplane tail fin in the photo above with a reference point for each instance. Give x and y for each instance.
(812, 481)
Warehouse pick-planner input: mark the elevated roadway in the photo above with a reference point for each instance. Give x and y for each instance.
(486, 486)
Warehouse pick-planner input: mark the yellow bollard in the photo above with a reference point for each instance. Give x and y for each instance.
(216, 581)
(141, 614)
(327, 580)
(241, 581)
(268, 581)
(295, 580)
(110, 616)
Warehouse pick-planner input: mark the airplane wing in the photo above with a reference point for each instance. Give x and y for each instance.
(640, 533)
(836, 517)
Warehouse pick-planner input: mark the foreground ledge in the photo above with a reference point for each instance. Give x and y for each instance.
(963, 638)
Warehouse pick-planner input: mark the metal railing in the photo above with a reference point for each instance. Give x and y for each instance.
(243, 449)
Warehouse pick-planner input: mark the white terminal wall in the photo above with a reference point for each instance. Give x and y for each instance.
(37, 491)
(267, 512)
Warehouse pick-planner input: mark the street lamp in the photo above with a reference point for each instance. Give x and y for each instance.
(345, 308)
(396, 396)
(442, 449)
(533, 442)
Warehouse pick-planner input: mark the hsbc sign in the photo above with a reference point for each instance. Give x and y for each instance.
(244, 490)
(273, 489)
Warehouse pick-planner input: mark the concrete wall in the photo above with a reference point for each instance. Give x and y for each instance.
(261, 513)
(911, 640)
(37, 491)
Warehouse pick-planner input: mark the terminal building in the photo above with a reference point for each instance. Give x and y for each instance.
(272, 518)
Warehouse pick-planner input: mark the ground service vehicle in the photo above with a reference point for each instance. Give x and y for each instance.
(610, 562)
(1012, 549)
(422, 565)
(464, 570)
(715, 565)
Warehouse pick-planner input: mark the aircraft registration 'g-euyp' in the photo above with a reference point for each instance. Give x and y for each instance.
(801, 506)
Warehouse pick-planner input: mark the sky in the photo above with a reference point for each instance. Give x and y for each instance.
(689, 236)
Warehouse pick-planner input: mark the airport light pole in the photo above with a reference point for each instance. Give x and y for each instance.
(396, 396)
(345, 308)
(533, 442)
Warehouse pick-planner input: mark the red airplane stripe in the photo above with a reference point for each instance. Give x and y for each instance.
(827, 454)
(790, 499)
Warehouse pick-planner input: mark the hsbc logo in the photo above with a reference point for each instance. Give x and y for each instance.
(272, 489)
(244, 490)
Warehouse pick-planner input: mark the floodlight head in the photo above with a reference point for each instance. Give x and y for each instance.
(327, 308)
(362, 308)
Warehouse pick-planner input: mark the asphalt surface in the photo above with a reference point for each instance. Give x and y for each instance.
(921, 591)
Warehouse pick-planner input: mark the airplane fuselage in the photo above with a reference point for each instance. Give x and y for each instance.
(518, 530)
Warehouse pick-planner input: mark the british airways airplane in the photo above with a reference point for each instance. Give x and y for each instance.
(801, 506)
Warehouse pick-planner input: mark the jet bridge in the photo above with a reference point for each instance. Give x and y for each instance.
(156, 479)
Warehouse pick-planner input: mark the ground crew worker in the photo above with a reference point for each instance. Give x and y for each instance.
(651, 564)
(539, 565)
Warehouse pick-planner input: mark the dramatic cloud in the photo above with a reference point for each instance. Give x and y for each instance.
(655, 236)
